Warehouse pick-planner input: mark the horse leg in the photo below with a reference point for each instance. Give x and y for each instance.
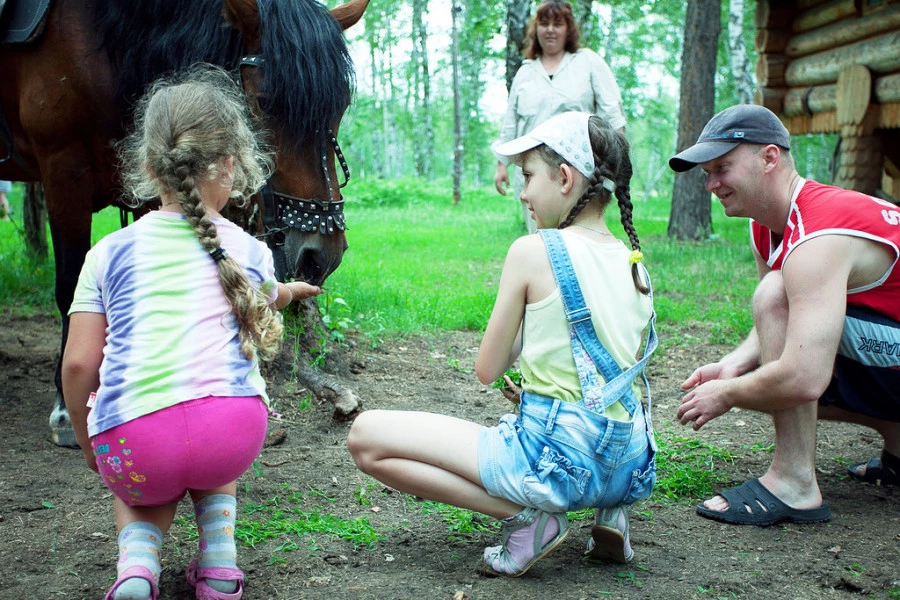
(69, 254)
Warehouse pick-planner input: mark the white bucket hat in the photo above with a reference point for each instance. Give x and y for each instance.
(566, 134)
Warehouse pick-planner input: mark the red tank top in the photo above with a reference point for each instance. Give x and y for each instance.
(826, 210)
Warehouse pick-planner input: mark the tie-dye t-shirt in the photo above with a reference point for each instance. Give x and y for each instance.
(171, 336)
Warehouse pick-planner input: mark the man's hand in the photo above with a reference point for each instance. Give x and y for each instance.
(709, 372)
(501, 179)
(703, 404)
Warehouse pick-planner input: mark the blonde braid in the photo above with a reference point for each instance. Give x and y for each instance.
(186, 127)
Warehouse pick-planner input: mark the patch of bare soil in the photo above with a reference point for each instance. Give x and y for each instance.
(57, 537)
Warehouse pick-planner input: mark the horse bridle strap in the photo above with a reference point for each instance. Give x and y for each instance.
(311, 215)
(305, 214)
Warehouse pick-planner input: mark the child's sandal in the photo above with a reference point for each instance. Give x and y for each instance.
(130, 572)
(498, 558)
(197, 578)
(609, 540)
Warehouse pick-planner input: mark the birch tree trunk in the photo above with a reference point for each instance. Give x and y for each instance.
(587, 23)
(455, 10)
(517, 13)
(740, 70)
(423, 143)
(609, 46)
(690, 218)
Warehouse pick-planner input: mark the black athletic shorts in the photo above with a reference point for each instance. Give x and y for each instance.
(867, 366)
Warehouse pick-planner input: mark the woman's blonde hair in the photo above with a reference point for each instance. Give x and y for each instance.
(186, 127)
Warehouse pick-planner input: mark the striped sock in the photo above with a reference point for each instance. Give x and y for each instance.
(215, 517)
(139, 546)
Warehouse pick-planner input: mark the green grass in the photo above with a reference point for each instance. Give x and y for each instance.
(417, 263)
(687, 467)
(27, 283)
(459, 520)
(283, 518)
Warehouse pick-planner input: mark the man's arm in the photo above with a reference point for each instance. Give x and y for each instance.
(815, 280)
(742, 359)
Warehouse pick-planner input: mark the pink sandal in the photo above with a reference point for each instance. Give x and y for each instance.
(135, 571)
(197, 578)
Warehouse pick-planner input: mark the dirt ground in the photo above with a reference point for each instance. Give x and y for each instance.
(57, 538)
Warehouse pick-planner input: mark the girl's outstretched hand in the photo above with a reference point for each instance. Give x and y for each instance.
(300, 290)
(511, 391)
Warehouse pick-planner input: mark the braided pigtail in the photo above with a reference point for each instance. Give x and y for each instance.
(623, 194)
(612, 172)
(186, 129)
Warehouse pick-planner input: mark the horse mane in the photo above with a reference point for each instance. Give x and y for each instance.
(307, 73)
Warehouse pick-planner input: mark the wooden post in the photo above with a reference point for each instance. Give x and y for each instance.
(861, 162)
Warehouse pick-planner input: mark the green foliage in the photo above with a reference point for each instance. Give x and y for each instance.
(27, 283)
(284, 519)
(420, 263)
(514, 375)
(459, 520)
(687, 467)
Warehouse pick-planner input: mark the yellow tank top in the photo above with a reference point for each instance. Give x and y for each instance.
(619, 312)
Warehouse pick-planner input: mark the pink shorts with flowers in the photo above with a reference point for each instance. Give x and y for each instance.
(196, 445)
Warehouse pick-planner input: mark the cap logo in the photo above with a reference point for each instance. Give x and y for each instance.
(725, 136)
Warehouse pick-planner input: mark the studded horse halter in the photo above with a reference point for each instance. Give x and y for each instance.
(282, 212)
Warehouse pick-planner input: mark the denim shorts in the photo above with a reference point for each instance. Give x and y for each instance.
(557, 456)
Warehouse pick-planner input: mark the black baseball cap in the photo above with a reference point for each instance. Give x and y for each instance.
(728, 129)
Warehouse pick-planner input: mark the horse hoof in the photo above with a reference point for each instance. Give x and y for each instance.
(61, 432)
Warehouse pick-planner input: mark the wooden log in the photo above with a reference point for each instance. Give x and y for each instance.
(810, 100)
(770, 70)
(771, 98)
(889, 116)
(773, 14)
(823, 98)
(843, 32)
(771, 41)
(825, 14)
(804, 4)
(880, 54)
(887, 89)
(861, 161)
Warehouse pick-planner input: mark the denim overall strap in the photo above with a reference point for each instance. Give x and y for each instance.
(584, 337)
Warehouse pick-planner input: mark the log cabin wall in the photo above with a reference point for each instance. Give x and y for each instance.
(833, 66)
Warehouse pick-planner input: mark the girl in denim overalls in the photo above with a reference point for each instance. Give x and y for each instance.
(572, 306)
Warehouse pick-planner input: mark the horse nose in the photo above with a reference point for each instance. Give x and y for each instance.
(315, 265)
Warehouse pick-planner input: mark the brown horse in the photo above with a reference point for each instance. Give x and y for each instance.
(67, 97)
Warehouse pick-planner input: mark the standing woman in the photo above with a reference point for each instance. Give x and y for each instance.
(557, 76)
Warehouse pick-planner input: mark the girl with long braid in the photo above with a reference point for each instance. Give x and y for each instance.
(572, 305)
(170, 320)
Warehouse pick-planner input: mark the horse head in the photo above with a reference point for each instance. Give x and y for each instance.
(298, 78)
